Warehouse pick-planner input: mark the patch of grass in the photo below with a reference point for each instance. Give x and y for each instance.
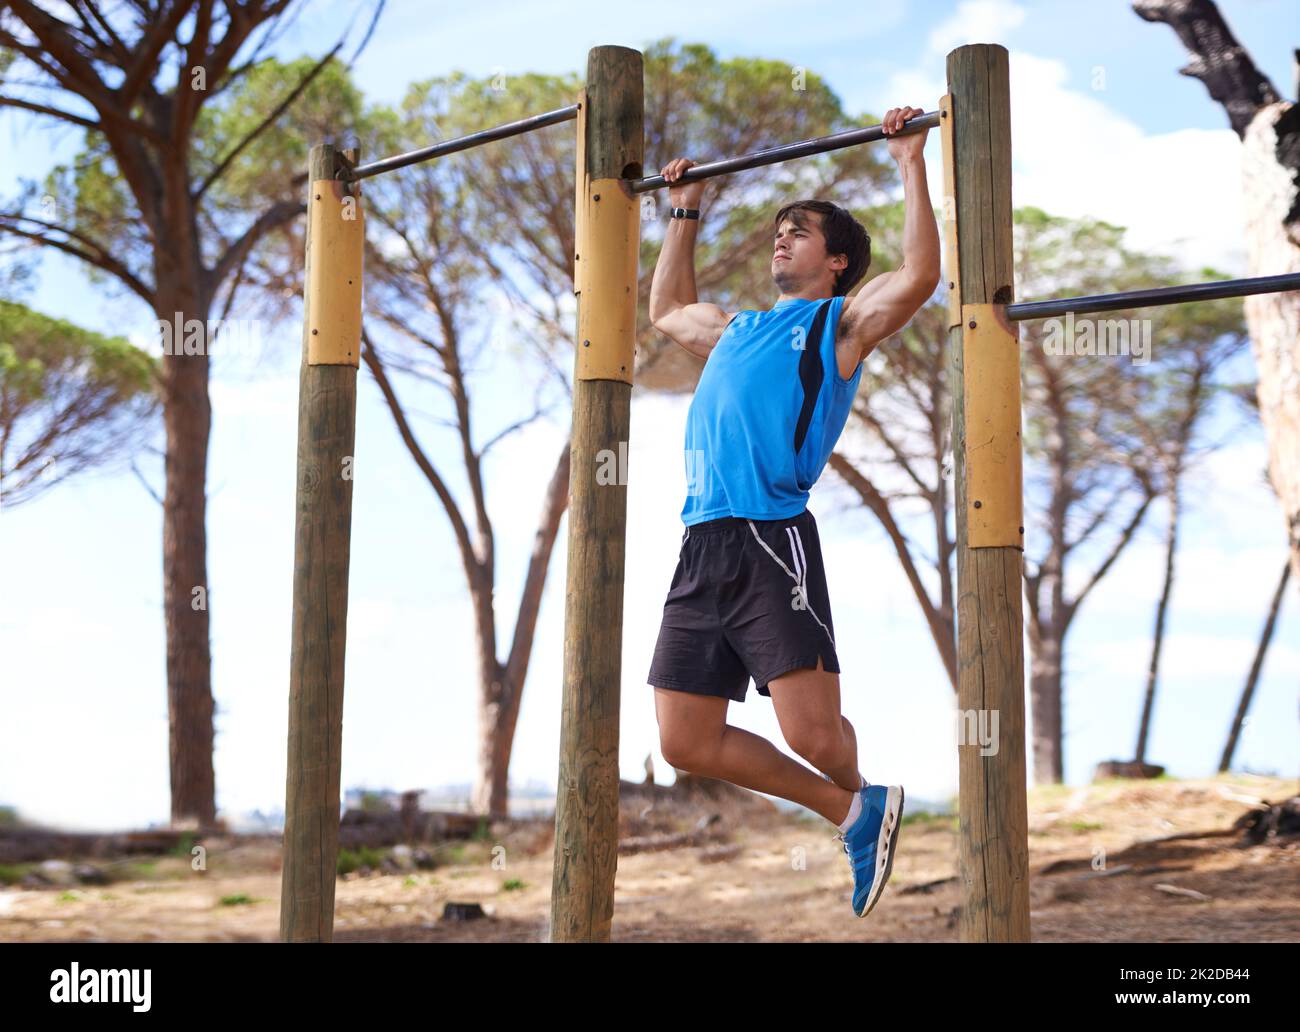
(12, 874)
(137, 870)
(69, 896)
(184, 846)
(350, 860)
(1084, 826)
(237, 899)
(510, 884)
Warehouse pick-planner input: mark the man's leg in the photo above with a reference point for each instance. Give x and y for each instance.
(807, 704)
(694, 736)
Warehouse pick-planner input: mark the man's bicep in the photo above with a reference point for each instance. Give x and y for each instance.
(696, 327)
(883, 307)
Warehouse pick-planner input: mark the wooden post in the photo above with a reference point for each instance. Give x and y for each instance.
(985, 384)
(327, 413)
(608, 236)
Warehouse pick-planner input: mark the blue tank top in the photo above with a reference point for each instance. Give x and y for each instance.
(767, 412)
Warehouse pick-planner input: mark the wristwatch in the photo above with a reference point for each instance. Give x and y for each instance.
(685, 213)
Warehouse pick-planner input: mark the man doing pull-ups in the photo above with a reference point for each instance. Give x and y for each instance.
(749, 597)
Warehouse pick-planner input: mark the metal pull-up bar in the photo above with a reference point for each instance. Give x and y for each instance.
(787, 152)
(501, 132)
(1154, 296)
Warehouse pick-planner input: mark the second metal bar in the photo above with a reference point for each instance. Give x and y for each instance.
(1154, 296)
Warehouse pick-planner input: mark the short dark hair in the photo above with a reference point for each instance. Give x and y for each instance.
(844, 235)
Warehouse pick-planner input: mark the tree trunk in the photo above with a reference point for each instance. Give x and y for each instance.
(1045, 698)
(1269, 127)
(1270, 195)
(1171, 547)
(187, 416)
(1248, 692)
(501, 693)
(491, 784)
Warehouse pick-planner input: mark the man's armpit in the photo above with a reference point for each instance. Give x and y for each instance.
(844, 326)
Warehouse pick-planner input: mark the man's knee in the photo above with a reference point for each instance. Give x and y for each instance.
(688, 748)
(690, 728)
(823, 747)
(687, 753)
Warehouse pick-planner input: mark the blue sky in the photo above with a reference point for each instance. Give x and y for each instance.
(1102, 125)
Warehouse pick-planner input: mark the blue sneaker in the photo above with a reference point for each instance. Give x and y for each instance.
(870, 843)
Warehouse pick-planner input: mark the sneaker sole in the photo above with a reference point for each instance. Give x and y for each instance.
(889, 829)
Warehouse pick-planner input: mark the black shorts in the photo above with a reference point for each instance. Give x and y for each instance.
(748, 600)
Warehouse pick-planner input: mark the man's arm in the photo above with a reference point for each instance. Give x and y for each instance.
(885, 304)
(674, 308)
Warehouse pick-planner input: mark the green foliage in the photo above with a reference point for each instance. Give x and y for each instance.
(34, 347)
(237, 899)
(364, 856)
(373, 802)
(70, 399)
(91, 199)
(184, 846)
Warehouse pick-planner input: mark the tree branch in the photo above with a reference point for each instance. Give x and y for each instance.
(269, 120)
(1218, 60)
(102, 260)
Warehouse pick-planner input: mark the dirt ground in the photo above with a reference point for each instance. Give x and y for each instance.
(1103, 868)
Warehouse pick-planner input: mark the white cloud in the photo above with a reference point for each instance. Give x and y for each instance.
(1073, 155)
(975, 21)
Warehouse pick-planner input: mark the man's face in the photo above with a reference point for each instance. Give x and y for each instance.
(799, 257)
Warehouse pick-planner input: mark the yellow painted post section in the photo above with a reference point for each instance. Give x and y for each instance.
(338, 235)
(950, 252)
(607, 263)
(991, 386)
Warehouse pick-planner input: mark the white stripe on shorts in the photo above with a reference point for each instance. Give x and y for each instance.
(796, 552)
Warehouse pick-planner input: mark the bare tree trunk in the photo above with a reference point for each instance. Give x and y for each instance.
(1045, 698)
(1248, 692)
(1171, 547)
(1269, 127)
(516, 666)
(501, 694)
(1274, 319)
(187, 417)
(490, 795)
